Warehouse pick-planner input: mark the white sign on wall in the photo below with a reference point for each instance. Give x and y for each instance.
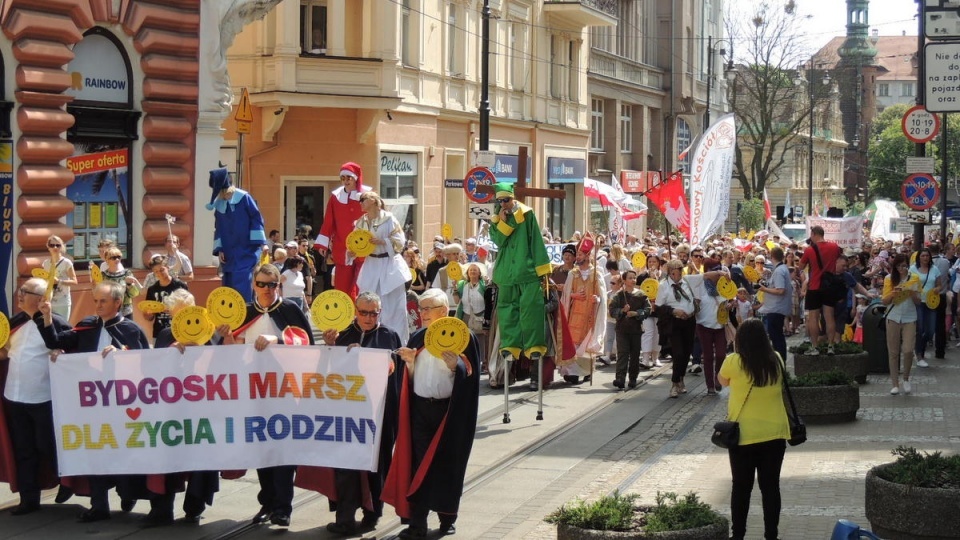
(98, 71)
(942, 88)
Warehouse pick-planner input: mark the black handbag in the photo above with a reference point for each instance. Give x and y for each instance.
(726, 433)
(798, 430)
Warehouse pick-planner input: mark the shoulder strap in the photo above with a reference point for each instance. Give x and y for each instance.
(816, 250)
(742, 405)
(786, 386)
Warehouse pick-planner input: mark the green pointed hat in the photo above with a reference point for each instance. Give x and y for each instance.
(504, 190)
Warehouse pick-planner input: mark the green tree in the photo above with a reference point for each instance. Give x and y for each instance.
(771, 108)
(890, 148)
(752, 214)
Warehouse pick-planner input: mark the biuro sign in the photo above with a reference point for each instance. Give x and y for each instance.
(101, 161)
(215, 408)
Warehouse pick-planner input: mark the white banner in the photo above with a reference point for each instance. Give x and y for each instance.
(218, 408)
(712, 168)
(845, 232)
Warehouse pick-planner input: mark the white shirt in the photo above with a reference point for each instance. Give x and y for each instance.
(263, 326)
(294, 285)
(28, 377)
(431, 377)
(666, 296)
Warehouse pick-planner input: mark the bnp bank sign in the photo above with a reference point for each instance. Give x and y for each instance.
(98, 72)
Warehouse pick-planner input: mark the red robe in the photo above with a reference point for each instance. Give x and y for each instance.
(343, 210)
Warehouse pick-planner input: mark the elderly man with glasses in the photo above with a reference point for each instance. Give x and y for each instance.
(439, 397)
(346, 492)
(107, 331)
(27, 402)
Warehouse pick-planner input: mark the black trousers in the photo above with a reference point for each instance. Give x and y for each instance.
(425, 418)
(764, 461)
(628, 355)
(940, 337)
(276, 488)
(31, 433)
(681, 343)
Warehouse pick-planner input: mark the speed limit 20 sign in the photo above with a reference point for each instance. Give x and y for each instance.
(919, 125)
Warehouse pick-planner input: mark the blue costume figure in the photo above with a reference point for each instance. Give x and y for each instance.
(238, 232)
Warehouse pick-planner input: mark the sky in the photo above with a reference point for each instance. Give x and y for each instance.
(829, 18)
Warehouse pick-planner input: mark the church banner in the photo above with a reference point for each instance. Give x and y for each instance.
(711, 171)
(218, 408)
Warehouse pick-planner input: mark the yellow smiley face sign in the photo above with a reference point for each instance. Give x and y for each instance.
(360, 242)
(726, 287)
(913, 258)
(723, 314)
(446, 231)
(650, 287)
(760, 296)
(446, 334)
(454, 271)
(151, 306)
(639, 260)
(225, 305)
(332, 309)
(932, 299)
(751, 274)
(39, 273)
(96, 276)
(192, 325)
(4, 329)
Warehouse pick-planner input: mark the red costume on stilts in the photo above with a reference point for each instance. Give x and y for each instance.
(343, 209)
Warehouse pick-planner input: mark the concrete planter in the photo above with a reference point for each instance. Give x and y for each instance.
(898, 511)
(719, 530)
(826, 404)
(855, 365)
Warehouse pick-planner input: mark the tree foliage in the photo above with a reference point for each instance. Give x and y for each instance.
(890, 148)
(752, 214)
(771, 108)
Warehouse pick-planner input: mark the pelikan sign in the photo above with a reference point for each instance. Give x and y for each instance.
(98, 71)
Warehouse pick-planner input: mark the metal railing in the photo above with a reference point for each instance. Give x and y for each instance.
(606, 6)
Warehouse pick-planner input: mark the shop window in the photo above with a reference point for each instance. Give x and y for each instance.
(399, 175)
(626, 129)
(313, 26)
(684, 140)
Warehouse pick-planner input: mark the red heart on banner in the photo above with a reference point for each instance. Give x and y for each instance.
(133, 413)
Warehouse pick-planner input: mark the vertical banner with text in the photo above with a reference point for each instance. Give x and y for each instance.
(6, 240)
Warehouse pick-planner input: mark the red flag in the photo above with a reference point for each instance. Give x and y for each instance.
(766, 206)
(669, 198)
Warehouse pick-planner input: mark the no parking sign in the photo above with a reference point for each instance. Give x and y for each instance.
(920, 191)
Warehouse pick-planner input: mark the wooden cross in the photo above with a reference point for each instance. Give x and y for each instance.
(520, 189)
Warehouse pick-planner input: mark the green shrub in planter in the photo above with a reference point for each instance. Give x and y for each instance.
(621, 513)
(834, 377)
(917, 469)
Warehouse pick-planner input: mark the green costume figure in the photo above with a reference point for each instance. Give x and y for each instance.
(522, 261)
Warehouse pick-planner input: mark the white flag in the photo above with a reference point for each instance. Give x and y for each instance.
(711, 170)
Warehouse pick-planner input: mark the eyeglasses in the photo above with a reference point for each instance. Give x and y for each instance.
(115, 258)
(54, 245)
(364, 313)
(504, 200)
(23, 291)
(428, 308)
(266, 284)
(698, 255)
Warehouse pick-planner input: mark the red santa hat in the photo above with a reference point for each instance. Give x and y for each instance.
(353, 170)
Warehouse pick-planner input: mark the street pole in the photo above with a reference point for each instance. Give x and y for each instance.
(921, 148)
(485, 78)
(810, 148)
(706, 123)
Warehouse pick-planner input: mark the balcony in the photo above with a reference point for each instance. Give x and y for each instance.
(611, 66)
(579, 15)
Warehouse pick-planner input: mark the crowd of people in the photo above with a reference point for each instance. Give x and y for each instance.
(635, 304)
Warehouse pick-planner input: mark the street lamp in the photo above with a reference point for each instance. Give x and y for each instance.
(729, 70)
(812, 98)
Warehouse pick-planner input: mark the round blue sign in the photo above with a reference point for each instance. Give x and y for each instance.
(479, 176)
(920, 191)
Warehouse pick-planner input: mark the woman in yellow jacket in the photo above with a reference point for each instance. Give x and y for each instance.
(754, 374)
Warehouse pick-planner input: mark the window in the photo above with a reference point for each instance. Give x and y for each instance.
(626, 129)
(883, 90)
(554, 68)
(452, 68)
(684, 139)
(406, 31)
(398, 187)
(313, 26)
(906, 89)
(596, 125)
(573, 73)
